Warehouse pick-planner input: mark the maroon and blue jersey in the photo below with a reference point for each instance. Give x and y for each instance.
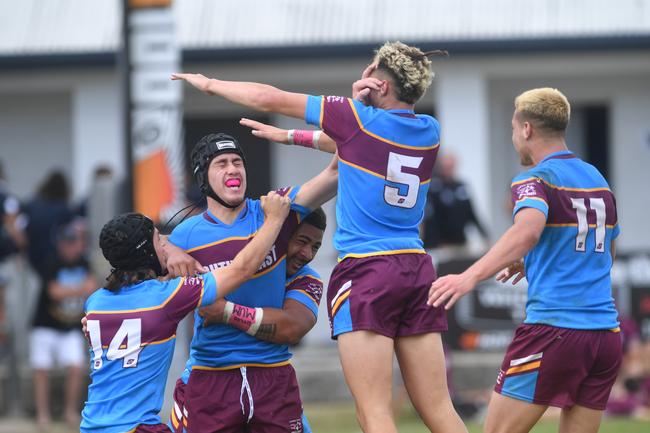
(386, 159)
(568, 271)
(132, 333)
(306, 287)
(215, 244)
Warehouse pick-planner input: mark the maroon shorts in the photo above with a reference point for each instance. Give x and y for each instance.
(178, 416)
(151, 428)
(560, 367)
(384, 294)
(259, 399)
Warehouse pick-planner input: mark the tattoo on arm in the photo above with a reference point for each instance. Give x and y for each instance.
(266, 331)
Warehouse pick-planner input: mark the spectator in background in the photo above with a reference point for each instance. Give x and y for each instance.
(46, 211)
(57, 337)
(449, 209)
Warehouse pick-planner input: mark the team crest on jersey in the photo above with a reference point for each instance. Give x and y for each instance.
(193, 281)
(295, 425)
(315, 290)
(339, 99)
(526, 190)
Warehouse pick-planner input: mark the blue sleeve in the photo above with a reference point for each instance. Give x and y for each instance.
(314, 110)
(616, 231)
(305, 287)
(292, 192)
(304, 300)
(209, 294)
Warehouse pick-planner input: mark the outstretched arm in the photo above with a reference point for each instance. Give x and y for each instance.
(313, 139)
(256, 96)
(512, 246)
(280, 326)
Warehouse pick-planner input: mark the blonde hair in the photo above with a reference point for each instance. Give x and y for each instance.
(547, 108)
(408, 66)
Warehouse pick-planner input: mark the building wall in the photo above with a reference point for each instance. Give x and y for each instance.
(35, 137)
(69, 119)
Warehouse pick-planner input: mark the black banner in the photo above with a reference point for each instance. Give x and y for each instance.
(485, 318)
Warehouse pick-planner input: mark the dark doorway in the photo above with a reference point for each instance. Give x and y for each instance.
(258, 151)
(596, 126)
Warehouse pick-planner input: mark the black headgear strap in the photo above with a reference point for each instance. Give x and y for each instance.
(205, 150)
(127, 243)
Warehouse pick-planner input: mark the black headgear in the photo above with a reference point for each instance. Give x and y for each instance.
(204, 152)
(127, 243)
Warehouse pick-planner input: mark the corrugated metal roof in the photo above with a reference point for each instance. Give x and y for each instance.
(82, 26)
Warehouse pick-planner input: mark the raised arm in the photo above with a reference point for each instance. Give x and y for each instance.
(247, 261)
(256, 96)
(512, 246)
(311, 139)
(321, 188)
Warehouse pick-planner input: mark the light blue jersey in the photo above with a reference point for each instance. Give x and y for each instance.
(132, 334)
(568, 271)
(215, 244)
(386, 159)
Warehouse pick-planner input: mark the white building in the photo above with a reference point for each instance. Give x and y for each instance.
(61, 106)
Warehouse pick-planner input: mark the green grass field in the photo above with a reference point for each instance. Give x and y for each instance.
(339, 418)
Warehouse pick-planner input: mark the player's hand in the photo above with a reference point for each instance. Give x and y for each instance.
(449, 289)
(199, 81)
(275, 206)
(361, 88)
(181, 264)
(84, 328)
(267, 132)
(213, 313)
(515, 270)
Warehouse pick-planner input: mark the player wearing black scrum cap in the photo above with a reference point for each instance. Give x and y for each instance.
(131, 323)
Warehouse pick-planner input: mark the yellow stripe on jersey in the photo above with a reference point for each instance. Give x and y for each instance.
(382, 253)
(233, 367)
(157, 307)
(306, 293)
(519, 182)
(234, 238)
(381, 176)
(562, 188)
(591, 226)
(385, 140)
(304, 276)
(524, 367)
(322, 112)
(531, 198)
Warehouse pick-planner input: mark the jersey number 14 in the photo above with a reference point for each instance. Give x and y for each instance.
(129, 330)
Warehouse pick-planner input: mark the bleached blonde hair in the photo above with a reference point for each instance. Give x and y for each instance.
(408, 66)
(546, 107)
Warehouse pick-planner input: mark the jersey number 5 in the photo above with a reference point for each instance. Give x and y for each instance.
(129, 330)
(394, 174)
(598, 206)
